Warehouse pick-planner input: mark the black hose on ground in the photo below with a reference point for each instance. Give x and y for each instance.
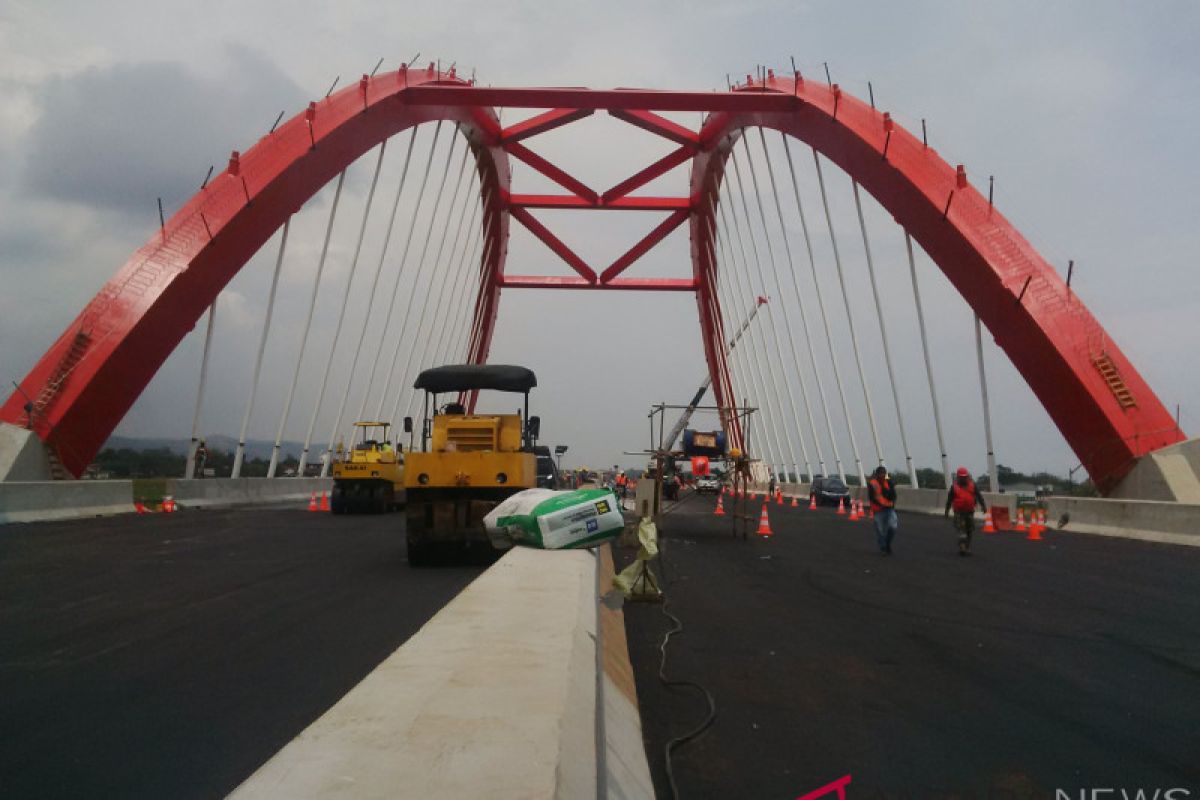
(677, 627)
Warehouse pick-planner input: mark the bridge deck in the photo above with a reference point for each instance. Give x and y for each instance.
(170, 656)
(1030, 666)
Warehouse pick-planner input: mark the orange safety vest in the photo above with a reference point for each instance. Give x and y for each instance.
(878, 501)
(963, 498)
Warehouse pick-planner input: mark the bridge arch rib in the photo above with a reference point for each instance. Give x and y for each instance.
(1105, 410)
(89, 378)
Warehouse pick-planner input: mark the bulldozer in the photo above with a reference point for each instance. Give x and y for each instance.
(467, 462)
(369, 477)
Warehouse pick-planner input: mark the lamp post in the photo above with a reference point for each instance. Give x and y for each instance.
(559, 449)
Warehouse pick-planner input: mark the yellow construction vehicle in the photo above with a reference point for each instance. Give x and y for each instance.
(369, 477)
(467, 463)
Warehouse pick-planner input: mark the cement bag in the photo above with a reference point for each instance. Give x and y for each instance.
(550, 520)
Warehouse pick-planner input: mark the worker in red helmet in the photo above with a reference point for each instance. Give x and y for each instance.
(962, 498)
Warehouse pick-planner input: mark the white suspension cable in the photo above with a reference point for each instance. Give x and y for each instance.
(771, 324)
(887, 350)
(421, 263)
(437, 321)
(481, 276)
(312, 305)
(787, 247)
(387, 240)
(753, 383)
(993, 475)
(787, 319)
(460, 277)
(412, 226)
(190, 470)
(442, 328)
(862, 376)
(812, 353)
(239, 455)
(461, 349)
(759, 340)
(739, 383)
(837, 372)
(937, 417)
(337, 333)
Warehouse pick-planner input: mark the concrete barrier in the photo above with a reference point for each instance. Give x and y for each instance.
(504, 693)
(36, 501)
(1147, 520)
(243, 491)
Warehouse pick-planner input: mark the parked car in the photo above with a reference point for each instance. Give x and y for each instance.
(708, 484)
(829, 491)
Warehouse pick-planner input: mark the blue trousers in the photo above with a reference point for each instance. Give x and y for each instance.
(886, 523)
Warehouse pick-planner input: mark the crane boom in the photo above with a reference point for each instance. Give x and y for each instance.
(686, 416)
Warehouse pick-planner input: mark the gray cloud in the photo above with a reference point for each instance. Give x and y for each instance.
(115, 138)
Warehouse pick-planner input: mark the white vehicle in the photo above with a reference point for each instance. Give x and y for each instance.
(708, 483)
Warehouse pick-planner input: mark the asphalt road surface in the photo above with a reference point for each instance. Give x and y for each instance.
(1071, 663)
(171, 655)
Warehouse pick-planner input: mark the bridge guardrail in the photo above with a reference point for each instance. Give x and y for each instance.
(243, 491)
(504, 693)
(1147, 520)
(37, 501)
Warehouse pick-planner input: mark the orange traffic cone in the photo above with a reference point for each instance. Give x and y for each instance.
(169, 504)
(764, 524)
(139, 506)
(842, 507)
(812, 502)
(1036, 526)
(779, 497)
(862, 511)
(1020, 526)
(312, 502)
(324, 501)
(988, 527)
(795, 504)
(720, 512)
(853, 512)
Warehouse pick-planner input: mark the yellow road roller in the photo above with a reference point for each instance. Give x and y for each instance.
(467, 462)
(369, 477)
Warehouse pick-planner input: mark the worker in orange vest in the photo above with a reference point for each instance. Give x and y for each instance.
(963, 496)
(882, 494)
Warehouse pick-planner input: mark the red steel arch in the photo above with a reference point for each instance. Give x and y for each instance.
(90, 377)
(1105, 410)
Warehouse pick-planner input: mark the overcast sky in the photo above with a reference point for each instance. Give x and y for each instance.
(1085, 112)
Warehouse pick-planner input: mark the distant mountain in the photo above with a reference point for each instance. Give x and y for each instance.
(255, 448)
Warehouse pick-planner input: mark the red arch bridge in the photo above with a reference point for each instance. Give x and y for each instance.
(743, 206)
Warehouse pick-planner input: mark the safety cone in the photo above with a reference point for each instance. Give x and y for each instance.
(324, 502)
(139, 506)
(988, 527)
(778, 497)
(720, 512)
(312, 502)
(842, 507)
(862, 512)
(1020, 526)
(1036, 526)
(764, 524)
(853, 512)
(795, 503)
(812, 502)
(169, 504)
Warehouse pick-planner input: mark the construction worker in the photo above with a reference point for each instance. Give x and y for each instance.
(882, 494)
(963, 496)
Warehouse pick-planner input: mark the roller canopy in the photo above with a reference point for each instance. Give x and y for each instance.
(472, 377)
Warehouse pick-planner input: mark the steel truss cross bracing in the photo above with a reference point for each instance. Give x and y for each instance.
(89, 378)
